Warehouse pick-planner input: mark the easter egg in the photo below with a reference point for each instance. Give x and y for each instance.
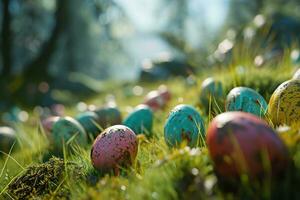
(297, 74)
(164, 92)
(7, 138)
(211, 91)
(184, 124)
(108, 116)
(47, 124)
(88, 121)
(140, 120)
(246, 100)
(241, 143)
(67, 130)
(115, 147)
(154, 100)
(284, 104)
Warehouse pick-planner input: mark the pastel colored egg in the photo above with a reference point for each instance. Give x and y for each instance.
(154, 100)
(241, 143)
(297, 74)
(7, 138)
(164, 92)
(284, 104)
(47, 124)
(88, 121)
(140, 120)
(108, 116)
(211, 91)
(246, 100)
(114, 148)
(184, 124)
(67, 130)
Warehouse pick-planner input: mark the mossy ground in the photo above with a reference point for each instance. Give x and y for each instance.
(159, 172)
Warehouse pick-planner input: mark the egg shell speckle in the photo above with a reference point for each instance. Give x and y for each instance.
(297, 74)
(115, 147)
(88, 120)
(238, 142)
(184, 124)
(108, 116)
(65, 129)
(140, 120)
(284, 104)
(7, 138)
(211, 90)
(246, 100)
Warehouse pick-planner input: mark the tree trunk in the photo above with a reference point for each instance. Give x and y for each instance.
(6, 39)
(38, 68)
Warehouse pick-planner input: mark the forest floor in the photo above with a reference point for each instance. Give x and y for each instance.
(159, 172)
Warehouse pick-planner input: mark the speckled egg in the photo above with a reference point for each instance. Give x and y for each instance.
(67, 128)
(47, 124)
(115, 147)
(297, 74)
(184, 124)
(284, 105)
(140, 120)
(246, 100)
(7, 138)
(211, 91)
(108, 116)
(240, 142)
(164, 92)
(154, 100)
(88, 121)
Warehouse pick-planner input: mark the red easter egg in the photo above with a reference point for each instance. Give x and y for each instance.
(164, 92)
(241, 143)
(115, 147)
(154, 100)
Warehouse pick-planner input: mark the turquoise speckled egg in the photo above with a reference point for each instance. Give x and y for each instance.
(88, 120)
(67, 130)
(184, 124)
(211, 91)
(7, 138)
(246, 100)
(140, 120)
(108, 116)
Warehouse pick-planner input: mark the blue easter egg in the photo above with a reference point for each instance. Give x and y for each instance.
(108, 116)
(67, 131)
(246, 100)
(184, 124)
(211, 91)
(140, 120)
(88, 120)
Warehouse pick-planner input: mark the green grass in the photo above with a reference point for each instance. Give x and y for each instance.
(159, 172)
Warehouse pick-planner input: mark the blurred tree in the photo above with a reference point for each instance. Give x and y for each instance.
(42, 42)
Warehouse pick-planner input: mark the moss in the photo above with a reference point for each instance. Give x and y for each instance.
(43, 180)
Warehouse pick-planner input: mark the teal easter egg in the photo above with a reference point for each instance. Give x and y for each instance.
(67, 131)
(108, 116)
(140, 120)
(7, 138)
(211, 91)
(88, 121)
(184, 124)
(246, 100)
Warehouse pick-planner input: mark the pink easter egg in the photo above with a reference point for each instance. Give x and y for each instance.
(115, 147)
